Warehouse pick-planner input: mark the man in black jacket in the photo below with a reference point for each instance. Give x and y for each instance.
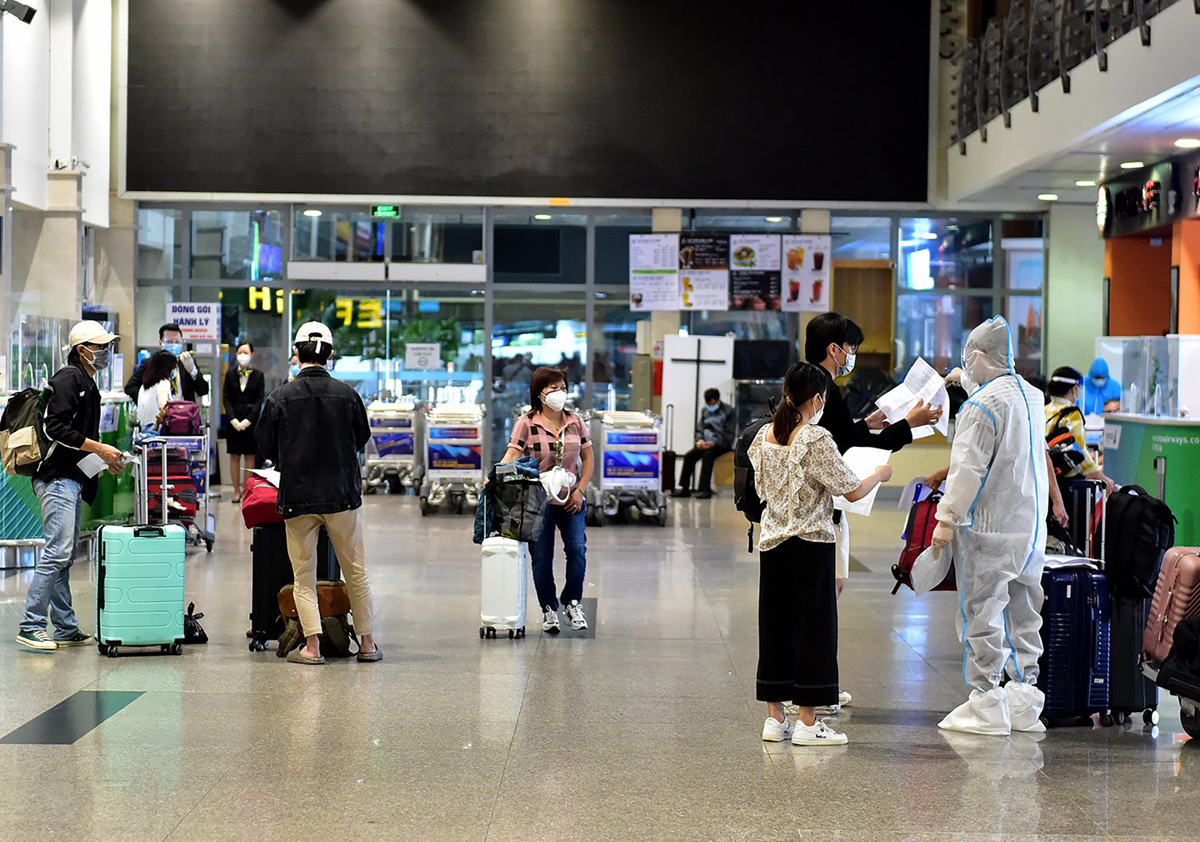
(313, 429)
(187, 383)
(72, 424)
(716, 430)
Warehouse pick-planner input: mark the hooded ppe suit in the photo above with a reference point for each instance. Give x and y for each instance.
(1096, 396)
(996, 500)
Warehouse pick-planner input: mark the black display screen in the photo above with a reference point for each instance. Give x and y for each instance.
(588, 98)
(760, 359)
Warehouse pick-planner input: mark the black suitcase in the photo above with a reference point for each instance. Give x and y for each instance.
(271, 571)
(1074, 667)
(1129, 691)
(668, 471)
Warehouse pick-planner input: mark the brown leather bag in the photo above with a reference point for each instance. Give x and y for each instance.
(1176, 598)
(333, 599)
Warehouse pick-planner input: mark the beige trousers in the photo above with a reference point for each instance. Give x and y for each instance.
(346, 534)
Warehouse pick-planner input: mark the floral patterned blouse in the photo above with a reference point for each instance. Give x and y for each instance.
(798, 483)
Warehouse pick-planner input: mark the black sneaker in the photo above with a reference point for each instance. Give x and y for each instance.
(703, 495)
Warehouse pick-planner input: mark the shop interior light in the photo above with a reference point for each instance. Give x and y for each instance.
(1047, 197)
(1188, 143)
(1085, 182)
(926, 235)
(774, 218)
(542, 217)
(1132, 165)
(312, 212)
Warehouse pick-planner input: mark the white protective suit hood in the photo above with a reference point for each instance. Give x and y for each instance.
(988, 353)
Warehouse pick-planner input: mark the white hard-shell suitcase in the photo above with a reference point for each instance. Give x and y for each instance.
(502, 592)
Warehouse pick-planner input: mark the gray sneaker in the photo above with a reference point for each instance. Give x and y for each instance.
(576, 616)
(37, 640)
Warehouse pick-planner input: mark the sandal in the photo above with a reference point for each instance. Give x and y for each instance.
(236, 500)
(297, 656)
(365, 658)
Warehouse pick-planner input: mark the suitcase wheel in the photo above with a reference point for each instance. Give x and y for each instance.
(482, 632)
(1150, 717)
(176, 648)
(511, 634)
(521, 632)
(258, 646)
(1108, 720)
(208, 544)
(103, 647)
(112, 652)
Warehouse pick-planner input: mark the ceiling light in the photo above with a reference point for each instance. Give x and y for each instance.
(312, 212)
(774, 218)
(1188, 143)
(1047, 197)
(951, 227)
(1132, 165)
(542, 217)
(1085, 182)
(926, 235)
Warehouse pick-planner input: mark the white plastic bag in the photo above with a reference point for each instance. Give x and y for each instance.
(929, 572)
(558, 483)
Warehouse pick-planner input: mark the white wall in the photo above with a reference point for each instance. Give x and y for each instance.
(1074, 287)
(91, 131)
(25, 102)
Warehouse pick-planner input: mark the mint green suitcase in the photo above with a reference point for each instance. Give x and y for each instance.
(139, 598)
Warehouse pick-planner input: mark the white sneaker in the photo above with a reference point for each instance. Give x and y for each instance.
(844, 700)
(775, 731)
(819, 734)
(576, 616)
(550, 620)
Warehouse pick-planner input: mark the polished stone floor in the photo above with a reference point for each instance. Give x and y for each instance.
(648, 731)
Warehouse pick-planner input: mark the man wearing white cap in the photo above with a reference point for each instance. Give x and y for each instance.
(313, 429)
(72, 424)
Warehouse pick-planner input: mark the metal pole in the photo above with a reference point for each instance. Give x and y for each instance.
(489, 229)
(593, 343)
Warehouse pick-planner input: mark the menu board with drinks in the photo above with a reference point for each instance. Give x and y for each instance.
(755, 271)
(653, 272)
(806, 273)
(703, 272)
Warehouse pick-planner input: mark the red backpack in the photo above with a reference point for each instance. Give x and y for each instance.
(922, 520)
(180, 418)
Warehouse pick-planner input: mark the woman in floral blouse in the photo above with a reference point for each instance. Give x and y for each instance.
(797, 473)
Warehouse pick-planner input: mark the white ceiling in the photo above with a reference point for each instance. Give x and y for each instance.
(1149, 137)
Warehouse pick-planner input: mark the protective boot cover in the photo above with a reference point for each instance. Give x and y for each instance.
(1025, 704)
(983, 713)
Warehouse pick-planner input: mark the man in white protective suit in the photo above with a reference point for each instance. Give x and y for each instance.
(994, 516)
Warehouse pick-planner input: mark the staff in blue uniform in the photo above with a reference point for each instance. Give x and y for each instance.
(1100, 392)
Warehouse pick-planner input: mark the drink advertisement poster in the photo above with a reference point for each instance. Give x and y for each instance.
(806, 273)
(653, 272)
(703, 272)
(755, 261)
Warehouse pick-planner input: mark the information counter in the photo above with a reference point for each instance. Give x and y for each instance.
(1148, 451)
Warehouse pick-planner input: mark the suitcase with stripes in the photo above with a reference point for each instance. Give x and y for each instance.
(1076, 630)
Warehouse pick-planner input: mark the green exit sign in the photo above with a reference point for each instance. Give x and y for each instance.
(386, 211)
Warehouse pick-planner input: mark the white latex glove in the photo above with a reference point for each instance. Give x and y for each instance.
(942, 535)
(188, 362)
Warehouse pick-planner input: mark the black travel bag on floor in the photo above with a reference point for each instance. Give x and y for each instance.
(1129, 691)
(272, 570)
(1138, 531)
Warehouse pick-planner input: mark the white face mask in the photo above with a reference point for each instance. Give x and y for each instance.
(243, 360)
(848, 366)
(555, 401)
(816, 417)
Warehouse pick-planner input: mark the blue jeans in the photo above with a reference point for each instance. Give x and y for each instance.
(541, 555)
(50, 590)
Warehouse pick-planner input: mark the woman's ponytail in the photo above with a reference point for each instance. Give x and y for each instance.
(801, 383)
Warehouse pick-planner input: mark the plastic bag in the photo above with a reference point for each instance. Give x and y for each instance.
(193, 632)
(929, 572)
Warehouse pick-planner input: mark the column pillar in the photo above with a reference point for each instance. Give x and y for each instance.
(47, 264)
(116, 281)
(7, 310)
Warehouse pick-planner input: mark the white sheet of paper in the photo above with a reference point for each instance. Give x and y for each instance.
(91, 465)
(863, 461)
(1059, 562)
(269, 474)
(913, 493)
(922, 383)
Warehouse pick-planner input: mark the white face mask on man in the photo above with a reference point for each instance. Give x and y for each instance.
(555, 401)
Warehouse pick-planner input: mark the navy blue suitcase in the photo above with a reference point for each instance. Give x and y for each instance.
(1076, 633)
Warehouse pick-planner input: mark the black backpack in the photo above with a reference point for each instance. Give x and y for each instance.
(1138, 531)
(745, 495)
(23, 441)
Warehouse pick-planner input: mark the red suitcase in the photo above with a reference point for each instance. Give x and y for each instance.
(259, 498)
(1176, 598)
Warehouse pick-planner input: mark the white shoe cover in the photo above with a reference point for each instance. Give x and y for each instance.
(983, 713)
(1025, 704)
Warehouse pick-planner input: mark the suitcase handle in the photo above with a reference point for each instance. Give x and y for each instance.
(142, 531)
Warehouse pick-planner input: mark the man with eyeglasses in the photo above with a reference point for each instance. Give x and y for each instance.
(187, 382)
(72, 423)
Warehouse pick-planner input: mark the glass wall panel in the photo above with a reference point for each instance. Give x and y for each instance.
(421, 237)
(1024, 315)
(613, 359)
(743, 324)
(339, 235)
(540, 248)
(945, 254)
(237, 245)
(861, 237)
(160, 243)
(936, 327)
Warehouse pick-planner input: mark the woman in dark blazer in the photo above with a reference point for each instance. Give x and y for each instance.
(243, 394)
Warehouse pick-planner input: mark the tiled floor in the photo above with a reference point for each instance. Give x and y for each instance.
(649, 731)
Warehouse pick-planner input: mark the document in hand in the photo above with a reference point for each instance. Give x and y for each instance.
(863, 461)
(922, 383)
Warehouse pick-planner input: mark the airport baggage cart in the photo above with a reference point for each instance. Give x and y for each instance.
(628, 448)
(171, 485)
(452, 441)
(393, 458)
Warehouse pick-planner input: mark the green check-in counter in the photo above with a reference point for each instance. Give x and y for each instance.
(1141, 449)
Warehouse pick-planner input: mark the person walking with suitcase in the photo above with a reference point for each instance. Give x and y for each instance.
(72, 423)
(557, 439)
(313, 429)
(797, 472)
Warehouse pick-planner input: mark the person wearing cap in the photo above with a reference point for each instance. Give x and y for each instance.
(1063, 414)
(312, 429)
(72, 424)
(187, 381)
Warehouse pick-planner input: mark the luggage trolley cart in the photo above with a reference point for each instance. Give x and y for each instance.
(629, 447)
(452, 442)
(175, 489)
(392, 453)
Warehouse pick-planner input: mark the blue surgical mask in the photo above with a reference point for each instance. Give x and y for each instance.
(712, 407)
(175, 348)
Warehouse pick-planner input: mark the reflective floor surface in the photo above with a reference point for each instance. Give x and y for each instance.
(647, 731)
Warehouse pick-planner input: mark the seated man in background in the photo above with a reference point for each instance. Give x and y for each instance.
(715, 434)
